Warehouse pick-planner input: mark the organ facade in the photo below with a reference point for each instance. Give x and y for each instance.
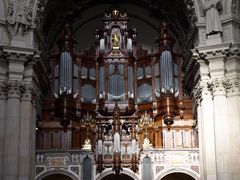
(115, 107)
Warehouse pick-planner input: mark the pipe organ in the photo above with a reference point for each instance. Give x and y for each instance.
(114, 85)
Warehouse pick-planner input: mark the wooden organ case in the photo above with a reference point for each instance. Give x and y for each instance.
(100, 94)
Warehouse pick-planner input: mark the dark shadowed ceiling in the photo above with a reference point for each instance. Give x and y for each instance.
(145, 15)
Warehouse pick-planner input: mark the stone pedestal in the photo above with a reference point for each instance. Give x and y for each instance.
(213, 39)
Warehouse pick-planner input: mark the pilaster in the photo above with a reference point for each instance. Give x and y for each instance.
(27, 132)
(11, 138)
(222, 108)
(3, 98)
(22, 86)
(205, 110)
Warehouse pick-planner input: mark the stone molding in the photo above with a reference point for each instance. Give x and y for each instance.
(213, 51)
(8, 51)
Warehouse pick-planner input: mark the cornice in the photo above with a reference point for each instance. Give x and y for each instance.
(8, 50)
(205, 52)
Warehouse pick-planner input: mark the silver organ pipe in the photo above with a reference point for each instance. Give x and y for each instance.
(65, 73)
(166, 71)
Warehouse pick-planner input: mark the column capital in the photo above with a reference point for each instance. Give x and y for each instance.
(232, 86)
(31, 93)
(15, 89)
(217, 87)
(201, 91)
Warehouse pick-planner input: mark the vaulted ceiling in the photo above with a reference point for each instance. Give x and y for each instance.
(145, 15)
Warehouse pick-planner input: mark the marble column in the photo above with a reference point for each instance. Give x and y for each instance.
(11, 139)
(2, 123)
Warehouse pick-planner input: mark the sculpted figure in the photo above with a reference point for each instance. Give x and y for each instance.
(19, 17)
(115, 40)
(211, 10)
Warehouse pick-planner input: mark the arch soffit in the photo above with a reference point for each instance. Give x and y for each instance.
(51, 172)
(166, 172)
(125, 171)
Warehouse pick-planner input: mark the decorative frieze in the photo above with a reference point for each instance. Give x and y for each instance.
(170, 159)
(71, 161)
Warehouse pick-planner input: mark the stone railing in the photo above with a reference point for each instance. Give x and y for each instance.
(164, 159)
(60, 161)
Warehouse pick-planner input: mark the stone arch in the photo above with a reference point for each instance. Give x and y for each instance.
(125, 171)
(189, 172)
(51, 172)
